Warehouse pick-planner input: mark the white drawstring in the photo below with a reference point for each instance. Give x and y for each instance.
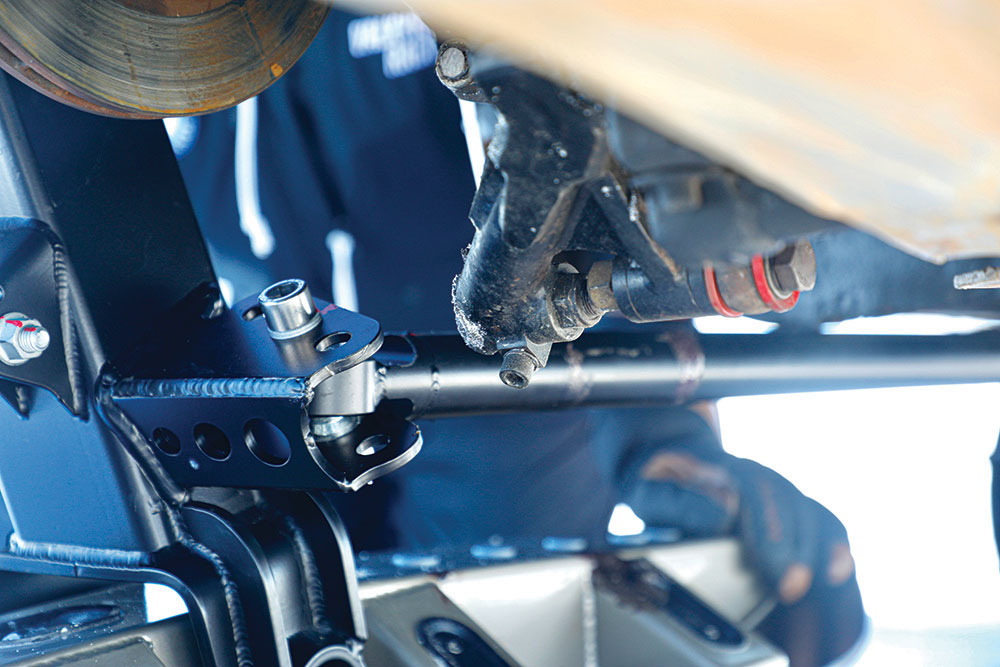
(473, 138)
(258, 229)
(252, 220)
(345, 291)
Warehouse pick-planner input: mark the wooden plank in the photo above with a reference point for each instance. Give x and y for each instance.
(885, 115)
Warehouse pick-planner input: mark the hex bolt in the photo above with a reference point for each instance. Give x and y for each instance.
(518, 366)
(599, 286)
(453, 62)
(21, 339)
(288, 309)
(794, 268)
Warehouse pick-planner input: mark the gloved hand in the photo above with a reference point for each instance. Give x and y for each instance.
(791, 539)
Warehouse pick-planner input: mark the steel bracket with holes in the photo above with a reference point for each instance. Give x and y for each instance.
(226, 405)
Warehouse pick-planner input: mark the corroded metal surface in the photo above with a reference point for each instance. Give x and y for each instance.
(154, 58)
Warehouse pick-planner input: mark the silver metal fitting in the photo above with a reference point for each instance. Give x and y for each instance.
(453, 62)
(987, 278)
(288, 309)
(21, 339)
(331, 428)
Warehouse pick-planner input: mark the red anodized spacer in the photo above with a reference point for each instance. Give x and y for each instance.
(715, 297)
(772, 300)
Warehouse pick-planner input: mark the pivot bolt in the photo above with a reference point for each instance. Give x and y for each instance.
(21, 339)
(288, 309)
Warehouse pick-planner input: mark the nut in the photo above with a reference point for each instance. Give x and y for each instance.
(572, 310)
(599, 286)
(794, 268)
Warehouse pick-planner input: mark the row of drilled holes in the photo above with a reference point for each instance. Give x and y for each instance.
(265, 440)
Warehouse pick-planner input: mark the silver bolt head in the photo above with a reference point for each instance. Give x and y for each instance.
(794, 268)
(453, 63)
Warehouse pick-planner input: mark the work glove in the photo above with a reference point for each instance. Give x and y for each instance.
(790, 539)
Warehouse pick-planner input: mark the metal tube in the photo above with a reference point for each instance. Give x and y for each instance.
(446, 378)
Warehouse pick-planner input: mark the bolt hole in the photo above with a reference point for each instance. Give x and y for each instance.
(212, 442)
(252, 313)
(284, 289)
(332, 341)
(167, 441)
(514, 379)
(267, 442)
(373, 444)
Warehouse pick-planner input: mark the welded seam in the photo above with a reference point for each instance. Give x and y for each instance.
(138, 447)
(294, 388)
(62, 553)
(308, 566)
(230, 591)
(142, 453)
(70, 344)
